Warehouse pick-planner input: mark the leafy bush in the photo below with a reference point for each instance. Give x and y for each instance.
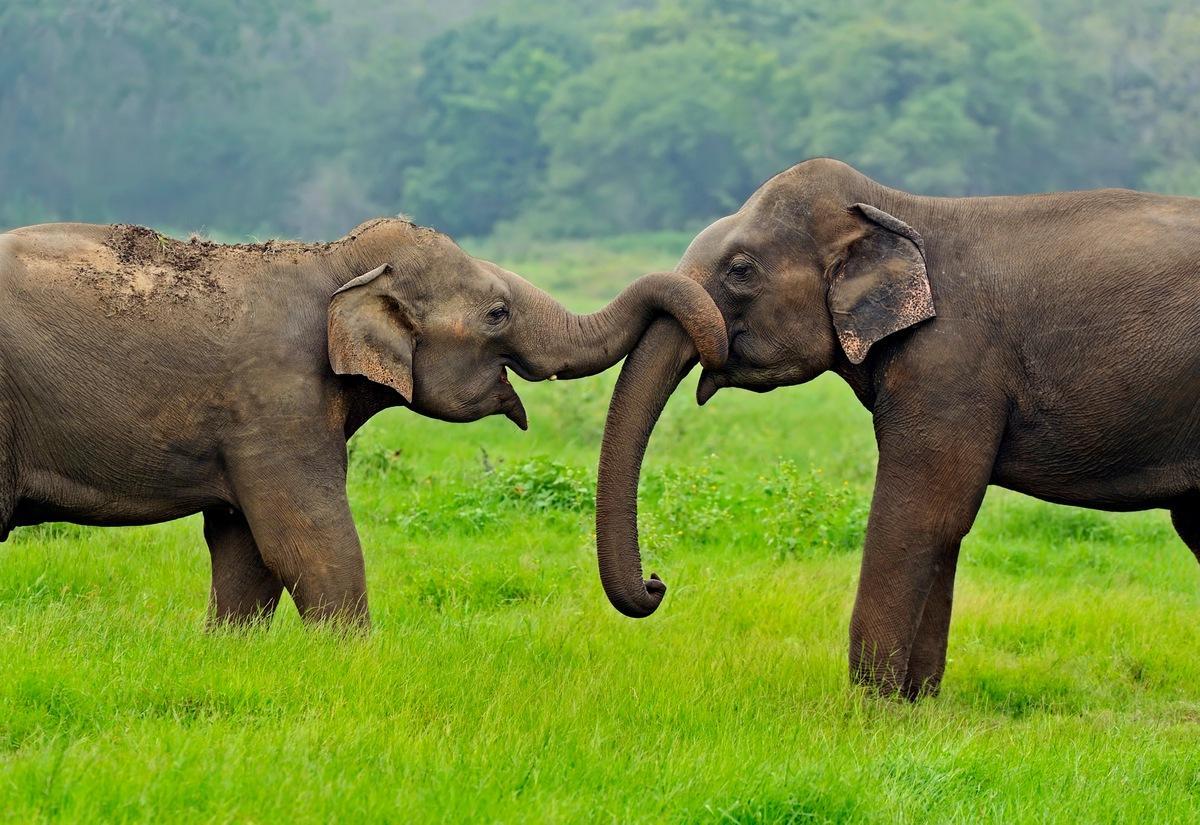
(688, 502)
(544, 484)
(537, 484)
(808, 515)
(375, 461)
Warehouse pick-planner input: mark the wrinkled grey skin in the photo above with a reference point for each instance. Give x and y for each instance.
(1049, 344)
(144, 379)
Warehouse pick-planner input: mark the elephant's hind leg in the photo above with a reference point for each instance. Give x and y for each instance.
(8, 494)
(1186, 518)
(7, 509)
(244, 590)
(8, 479)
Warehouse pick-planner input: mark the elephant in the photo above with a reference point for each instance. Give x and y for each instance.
(1048, 344)
(144, 378)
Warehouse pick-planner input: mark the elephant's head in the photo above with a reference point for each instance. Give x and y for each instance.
(442, 328)
(810, 274)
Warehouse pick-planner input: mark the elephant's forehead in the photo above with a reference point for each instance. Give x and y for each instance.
(710, 244)
(748, 229)
(496, 280)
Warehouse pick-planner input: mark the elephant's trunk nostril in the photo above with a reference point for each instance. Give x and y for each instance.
(656, 586)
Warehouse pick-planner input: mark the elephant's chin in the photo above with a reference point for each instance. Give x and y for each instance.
(510, 403)
(710, 382)
(516, 414)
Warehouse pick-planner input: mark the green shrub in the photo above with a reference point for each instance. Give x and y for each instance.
(808, 515)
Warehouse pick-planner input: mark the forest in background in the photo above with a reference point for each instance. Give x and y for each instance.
(541, 119)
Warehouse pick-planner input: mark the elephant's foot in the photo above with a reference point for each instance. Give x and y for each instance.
(876, 668)
(891, 678)
(927, 660)
(250, 604)
(919, 685)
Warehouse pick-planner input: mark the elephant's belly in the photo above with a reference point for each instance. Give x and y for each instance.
(110, 472)
(105, 449)
(116, 500)
(1104, 424)
(1106, 469)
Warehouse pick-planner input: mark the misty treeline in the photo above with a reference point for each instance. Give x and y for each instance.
(548, 119)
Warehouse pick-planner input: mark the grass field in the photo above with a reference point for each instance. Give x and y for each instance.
(498, 685)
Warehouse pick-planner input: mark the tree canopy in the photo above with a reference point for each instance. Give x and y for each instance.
(551, 119)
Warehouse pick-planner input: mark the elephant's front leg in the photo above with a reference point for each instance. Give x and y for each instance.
(302, 525)
(927, 659)
(928, 489)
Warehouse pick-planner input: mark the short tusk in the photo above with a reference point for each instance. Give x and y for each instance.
(553, 378)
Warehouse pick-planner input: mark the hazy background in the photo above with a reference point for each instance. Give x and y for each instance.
(545, 119)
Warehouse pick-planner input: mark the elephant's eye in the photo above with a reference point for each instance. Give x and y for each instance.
(497, 315)
(740, 272)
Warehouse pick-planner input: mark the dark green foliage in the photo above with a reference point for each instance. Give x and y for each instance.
(806, 514)
(531, 118)
(482, 87)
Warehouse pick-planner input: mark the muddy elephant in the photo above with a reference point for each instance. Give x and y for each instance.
(1049, 344)
(144, 378)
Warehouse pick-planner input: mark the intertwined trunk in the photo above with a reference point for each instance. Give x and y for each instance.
(562, 344)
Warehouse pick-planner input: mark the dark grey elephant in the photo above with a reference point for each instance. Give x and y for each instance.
(144, 378)
(1047, 343)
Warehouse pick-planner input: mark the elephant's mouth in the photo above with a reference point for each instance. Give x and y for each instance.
(519, 367)
(713, 380)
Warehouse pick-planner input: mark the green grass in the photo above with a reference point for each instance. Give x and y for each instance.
(498, 685)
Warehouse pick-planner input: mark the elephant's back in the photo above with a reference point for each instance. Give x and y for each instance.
(89, 322)
(30, 253)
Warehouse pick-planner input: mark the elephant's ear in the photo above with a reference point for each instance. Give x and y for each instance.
(882, 286)
(370, 334)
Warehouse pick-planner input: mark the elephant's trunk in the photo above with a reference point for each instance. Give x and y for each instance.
(565, 345)
(649, 376)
